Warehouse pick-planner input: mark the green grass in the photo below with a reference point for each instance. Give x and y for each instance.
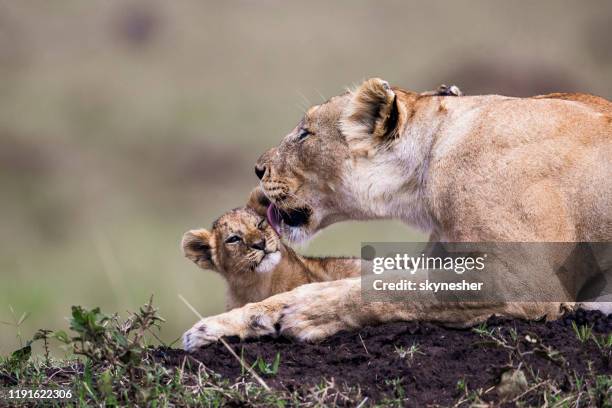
(108, 363)
(583, 332)
(265, 368)
(408, 353)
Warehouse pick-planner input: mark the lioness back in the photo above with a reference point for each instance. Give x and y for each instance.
(522, 159)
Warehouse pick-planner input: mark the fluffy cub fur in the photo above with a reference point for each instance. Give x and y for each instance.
(246, 251)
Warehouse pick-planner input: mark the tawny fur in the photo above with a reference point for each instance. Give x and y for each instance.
(238, 262)
(463, 168)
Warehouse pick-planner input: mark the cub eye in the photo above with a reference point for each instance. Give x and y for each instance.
(233, 239)
(303, 134)
(262, 224)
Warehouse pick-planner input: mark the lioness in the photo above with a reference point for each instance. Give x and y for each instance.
(255, 263)
(464, 168)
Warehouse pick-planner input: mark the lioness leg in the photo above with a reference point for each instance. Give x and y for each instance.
(266, 317)
(318, 310)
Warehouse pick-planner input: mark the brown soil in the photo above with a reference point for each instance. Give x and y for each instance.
(368, 358)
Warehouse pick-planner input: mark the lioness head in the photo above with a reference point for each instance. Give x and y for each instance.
(341, 161)
(240, 242)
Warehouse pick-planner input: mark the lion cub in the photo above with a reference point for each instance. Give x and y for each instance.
(246, 251)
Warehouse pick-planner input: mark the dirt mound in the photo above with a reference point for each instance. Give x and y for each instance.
(424, 362)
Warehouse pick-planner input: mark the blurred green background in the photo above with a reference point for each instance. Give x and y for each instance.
(123, 124)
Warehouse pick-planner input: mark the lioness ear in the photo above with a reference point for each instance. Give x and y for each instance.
(444, 90)
(373, 111)
(258, 201)
(196, 246)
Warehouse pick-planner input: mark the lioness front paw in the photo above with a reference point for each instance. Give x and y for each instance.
(320, 310)
(254, 319)
(203, 333)
(310, 312)
(298, 322)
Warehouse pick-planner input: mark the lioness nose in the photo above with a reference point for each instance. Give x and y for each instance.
(260, 171)
(261, 245)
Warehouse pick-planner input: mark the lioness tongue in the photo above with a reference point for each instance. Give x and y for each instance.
(274, 218)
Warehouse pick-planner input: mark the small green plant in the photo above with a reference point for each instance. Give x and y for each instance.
(583, 332)
(462, 386)
(16, 323)
(408, 353)
(18, 359)
(600, 393)
(603, 342)
(513, 334)
(467, 397)
(44, 335)
(101, 338)
(482, 330)
(267, 368)
(398, 388)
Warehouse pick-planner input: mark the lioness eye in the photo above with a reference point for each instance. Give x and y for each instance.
(233, 239)
(304, 133)
(262, 224)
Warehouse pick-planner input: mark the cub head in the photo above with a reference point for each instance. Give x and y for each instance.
(322, 173)
(240, 242)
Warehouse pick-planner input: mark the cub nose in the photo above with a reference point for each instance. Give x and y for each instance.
(261, 245)
(260, 171)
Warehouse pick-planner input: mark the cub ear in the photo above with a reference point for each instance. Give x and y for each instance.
(373, 111)
(258, 201)
(196, 246)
